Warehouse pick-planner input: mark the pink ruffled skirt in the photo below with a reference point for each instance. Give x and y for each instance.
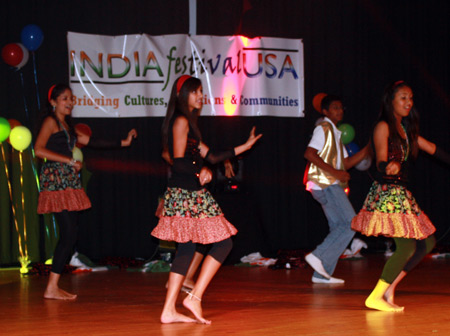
(195, 216)
(60, 189)
(57, 201)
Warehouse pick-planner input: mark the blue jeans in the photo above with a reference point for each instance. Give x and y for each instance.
(339, 212)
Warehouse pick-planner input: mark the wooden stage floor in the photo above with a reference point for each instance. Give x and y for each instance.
(239, 301)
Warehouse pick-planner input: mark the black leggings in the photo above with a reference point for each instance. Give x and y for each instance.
(68, 230)
(185, 253)
(408, 253)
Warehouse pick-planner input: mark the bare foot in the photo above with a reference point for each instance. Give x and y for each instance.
(380, 304)
(193, 303)
(390, 299)
(175, 317)
(58, 294)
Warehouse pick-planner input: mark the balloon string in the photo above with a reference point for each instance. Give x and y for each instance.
(32, 157)
(36, 81)
(23, 205)
(39, 108)
(12, 201)
(24, 99)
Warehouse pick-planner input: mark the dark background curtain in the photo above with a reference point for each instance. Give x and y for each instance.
(352, 48)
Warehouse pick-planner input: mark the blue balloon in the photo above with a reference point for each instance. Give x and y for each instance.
(32, 37)
(352, 148)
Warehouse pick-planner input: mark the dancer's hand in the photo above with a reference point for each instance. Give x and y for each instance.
(248, 144)
(252, 139)
(229, 172)
(341, 175)
(205, 176)
(77, 165)
(393, 168)
(131, 135)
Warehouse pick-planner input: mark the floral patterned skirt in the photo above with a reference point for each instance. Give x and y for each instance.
(191, 216)
(60, 189)
(391, 210)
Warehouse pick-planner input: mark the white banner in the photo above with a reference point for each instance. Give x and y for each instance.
(132, 75)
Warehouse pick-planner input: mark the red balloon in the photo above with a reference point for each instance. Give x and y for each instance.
(12, 54)
(84, 129)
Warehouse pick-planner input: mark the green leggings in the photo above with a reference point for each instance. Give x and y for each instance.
(408, 253)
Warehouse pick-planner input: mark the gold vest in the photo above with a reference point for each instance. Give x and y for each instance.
(328, 154)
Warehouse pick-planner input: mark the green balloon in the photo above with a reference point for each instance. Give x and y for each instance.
(20, 138)
(5, 128)
(348, 133)
(77, 154)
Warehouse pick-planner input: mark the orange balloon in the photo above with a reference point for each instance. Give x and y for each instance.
(13, 123)
(317, 101)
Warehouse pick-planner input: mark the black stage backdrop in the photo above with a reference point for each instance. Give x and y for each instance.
(352, 48)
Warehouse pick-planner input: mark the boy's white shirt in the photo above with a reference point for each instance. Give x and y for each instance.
(318, 142)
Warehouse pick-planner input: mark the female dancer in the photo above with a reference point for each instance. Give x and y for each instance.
(190, 214)
(61, 191)
(390, 209)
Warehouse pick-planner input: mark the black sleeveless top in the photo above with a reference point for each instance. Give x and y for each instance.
(185, 170)
(58, 143)
(396, 152)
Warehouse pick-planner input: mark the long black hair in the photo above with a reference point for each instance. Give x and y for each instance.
(178, 105)
(49, 111)
(411, 122)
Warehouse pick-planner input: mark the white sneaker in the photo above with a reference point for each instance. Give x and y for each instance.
(356, 245)
(316, 264)
(75, 262)
(327, 281)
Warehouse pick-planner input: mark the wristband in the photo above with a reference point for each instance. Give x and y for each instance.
(72, 162)
(382, 166)
(442, 155)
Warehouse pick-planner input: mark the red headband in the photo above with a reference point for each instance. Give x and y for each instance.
(50, 93)
(398, 82)
(181, 81)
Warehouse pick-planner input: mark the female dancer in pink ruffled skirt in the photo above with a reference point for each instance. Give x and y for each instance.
(190, 214)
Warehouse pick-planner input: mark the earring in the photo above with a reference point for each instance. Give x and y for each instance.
(54, 108)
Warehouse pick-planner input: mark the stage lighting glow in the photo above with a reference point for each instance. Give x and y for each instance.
(244, 40)
(230, 87)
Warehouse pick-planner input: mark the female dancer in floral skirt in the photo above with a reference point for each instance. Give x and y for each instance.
(390, 209)
(190, 214)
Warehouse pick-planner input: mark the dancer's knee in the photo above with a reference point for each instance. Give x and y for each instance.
(183, 258)
(220, 250)
(430, 243)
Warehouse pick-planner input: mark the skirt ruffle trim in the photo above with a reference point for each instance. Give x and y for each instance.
(393, 224)
(198, 230)
(57, 201)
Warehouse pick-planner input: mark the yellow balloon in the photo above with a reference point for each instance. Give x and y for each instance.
(77, 154)
(20, 138)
